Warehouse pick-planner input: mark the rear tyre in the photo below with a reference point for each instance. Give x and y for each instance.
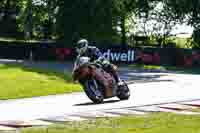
(123, 92)
(93, 91)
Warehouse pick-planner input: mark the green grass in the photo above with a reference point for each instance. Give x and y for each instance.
(17, 81)
(196, 110)
(192, 70)
(154, 123)
(182, 42)
(8, 39)
(147, 67)
(5, 39)
(184, 70)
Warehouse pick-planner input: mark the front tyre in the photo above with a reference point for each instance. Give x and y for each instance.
(93, 91)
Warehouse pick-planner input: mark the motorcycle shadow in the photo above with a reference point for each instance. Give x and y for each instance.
(91, 103)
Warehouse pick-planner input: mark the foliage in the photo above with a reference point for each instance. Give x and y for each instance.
(40, 18)
(88, 19)
(95, 20)
(101, 20)
(190, 12)
(158, 22)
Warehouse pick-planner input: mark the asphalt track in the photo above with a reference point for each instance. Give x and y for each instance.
(147, 88)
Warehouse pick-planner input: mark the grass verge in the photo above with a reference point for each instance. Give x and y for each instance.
(185, 70)
(18, 81)
(154, 123)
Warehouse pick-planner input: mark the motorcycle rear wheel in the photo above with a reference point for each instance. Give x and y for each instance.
(123, 92)
(93, 91)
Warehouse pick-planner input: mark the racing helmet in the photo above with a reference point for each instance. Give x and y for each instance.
(81, 46)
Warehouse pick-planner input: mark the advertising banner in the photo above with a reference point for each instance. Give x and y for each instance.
(119, 54)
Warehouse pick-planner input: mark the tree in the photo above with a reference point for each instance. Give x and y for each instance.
(89, 19)
(158, 21)
(122, 13)
(7, 17)
(38, 17)
(6, 7)
(189, 9)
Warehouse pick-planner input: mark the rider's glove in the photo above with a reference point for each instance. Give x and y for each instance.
(101, 59)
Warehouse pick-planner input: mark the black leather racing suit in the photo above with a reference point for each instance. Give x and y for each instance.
(95, 55)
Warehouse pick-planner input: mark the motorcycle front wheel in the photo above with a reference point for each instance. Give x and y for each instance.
(93, 91)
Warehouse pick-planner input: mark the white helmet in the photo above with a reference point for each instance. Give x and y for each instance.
(81, 46)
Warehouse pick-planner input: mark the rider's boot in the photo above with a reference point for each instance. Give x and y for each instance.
(117, 78)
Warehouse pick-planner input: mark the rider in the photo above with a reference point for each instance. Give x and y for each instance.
(83, 49)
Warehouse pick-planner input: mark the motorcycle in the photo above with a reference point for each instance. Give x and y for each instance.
(97, 83)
